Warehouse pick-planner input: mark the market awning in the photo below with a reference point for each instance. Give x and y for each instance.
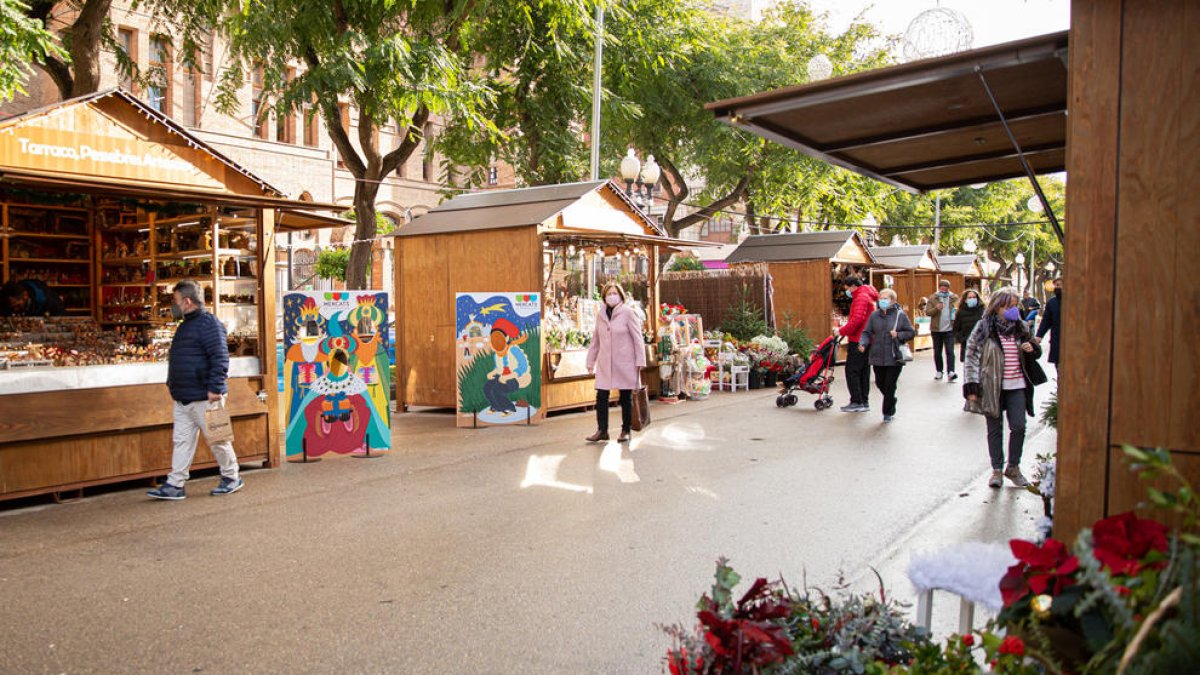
(904, 258)
(304, 220)
(587, 238)
(966, 265)
(844, 246)
(929, 124)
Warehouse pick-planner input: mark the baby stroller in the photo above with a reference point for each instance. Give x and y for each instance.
(816, 377)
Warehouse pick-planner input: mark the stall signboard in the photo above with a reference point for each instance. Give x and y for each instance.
(498, 362)
(336, 381)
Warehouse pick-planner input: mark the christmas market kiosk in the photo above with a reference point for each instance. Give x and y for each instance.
(104, 205)
(505, 286)
(911, 271)
(962, 271)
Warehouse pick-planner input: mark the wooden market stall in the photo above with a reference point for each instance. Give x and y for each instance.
(962, 271)
(911, 271)
(109, 203)
(564, 241)
(806, 269)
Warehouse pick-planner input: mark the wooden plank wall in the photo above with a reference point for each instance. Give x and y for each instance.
(804, 292)
(710, 294)
(1130, 356)
(430, 270)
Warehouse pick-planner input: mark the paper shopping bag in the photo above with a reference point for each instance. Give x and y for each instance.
(218, 427)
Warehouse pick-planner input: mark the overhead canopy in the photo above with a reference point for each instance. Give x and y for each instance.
(844, 246)
(918, 257)
(928, 124)
(618, 238)
(966, 265)
(580, 205)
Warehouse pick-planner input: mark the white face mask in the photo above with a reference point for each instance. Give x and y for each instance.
(612, 299)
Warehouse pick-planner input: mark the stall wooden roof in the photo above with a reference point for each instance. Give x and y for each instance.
(926, 124)
(844, 246)
(498, 209)
(967, 265)
(919, 257)
(114, 143)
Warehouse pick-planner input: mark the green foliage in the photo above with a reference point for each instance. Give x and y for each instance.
(744, 319)
(1153, 464)
(795, 336)
(24, 41)
(472, 377)
(686, 263)
(1050, 411)
(332, 262)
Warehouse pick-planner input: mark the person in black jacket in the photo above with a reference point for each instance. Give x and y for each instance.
(1051, 320)
(970, 311)
(197, 367)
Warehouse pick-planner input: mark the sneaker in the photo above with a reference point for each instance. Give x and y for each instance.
(953, 376)
(1013, 473)
(888, 418)
(228, 487)
(997, 479)
(167, 491)
(852, 407)
(938, 376)
(863, 407)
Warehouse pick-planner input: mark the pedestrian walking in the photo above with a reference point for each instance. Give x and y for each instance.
(887, 329)
(1051, 321)
(30, 297)
(858, 369)
(940, 308)
(197, 369)
(969, 312)
(1000, 373)
(616, 356)
(1030, 306)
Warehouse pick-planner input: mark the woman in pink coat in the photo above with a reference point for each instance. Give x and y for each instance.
(617, 356)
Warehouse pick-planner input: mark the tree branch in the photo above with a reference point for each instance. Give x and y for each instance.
(676, 194)
(708, 211)
(413, 134)
(333, 124)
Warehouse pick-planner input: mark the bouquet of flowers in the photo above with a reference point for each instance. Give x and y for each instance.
(666, 311)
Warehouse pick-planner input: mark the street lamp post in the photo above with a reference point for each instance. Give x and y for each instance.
(631, 168)
(1020, 260)
(649, 178)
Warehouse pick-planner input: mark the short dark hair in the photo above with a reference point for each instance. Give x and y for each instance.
(852, 280)
(191, 290)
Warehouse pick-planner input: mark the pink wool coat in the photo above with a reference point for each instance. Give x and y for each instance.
(618, 352)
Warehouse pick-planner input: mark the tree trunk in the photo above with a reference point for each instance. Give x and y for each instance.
(365, 192)
(85, 46)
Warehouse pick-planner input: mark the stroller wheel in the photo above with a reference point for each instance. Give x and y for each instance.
(790, 399)
(780, 401)
(819, 404)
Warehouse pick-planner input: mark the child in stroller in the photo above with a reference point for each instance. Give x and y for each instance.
(814, 378)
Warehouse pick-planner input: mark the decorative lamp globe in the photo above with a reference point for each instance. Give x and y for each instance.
(630, 166)
(1019, 258)
(819, 68)
(1034, 204)
(650, 171)
(937, 32)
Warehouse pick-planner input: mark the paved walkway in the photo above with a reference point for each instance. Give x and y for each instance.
(499, 550)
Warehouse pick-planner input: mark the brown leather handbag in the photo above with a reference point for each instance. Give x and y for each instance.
(641, 408)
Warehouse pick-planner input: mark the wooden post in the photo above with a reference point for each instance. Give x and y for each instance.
(266, 329)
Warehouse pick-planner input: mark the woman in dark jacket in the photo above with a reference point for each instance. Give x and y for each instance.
(1001, 372)
(970, 311)
(887, 328)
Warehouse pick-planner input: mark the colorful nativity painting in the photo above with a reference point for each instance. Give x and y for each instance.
(499, 363)
(336, 381)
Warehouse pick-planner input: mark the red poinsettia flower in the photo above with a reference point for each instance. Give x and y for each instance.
(1124, 540)
(1012, 645)
(1048, 569)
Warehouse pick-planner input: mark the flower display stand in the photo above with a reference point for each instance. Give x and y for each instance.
(971, 571)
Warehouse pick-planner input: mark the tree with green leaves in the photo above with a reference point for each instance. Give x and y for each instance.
(396, 62)
(26, 42)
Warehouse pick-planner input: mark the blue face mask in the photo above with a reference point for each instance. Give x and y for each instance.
(884, 304)
(849, 293)
(971, 302)
(1012, 314)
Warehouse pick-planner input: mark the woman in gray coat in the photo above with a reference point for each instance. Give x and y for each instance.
(887, 328)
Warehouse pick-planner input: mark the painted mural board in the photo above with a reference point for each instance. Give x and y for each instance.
(336, 381)
(498, 362)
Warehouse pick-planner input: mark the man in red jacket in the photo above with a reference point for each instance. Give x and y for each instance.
(858, 369)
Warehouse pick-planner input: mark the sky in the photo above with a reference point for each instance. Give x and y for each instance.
(992, 21)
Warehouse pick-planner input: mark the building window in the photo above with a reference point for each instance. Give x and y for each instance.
(493, 175)
(285, 121)
(427, 164)
(258, 113)
(127, 39)
(312, 129)
(190, 95)
(159, 90)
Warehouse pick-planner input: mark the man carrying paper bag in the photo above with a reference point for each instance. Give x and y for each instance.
(198, 366)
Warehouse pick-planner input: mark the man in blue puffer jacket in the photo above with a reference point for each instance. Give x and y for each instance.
(198, 365)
